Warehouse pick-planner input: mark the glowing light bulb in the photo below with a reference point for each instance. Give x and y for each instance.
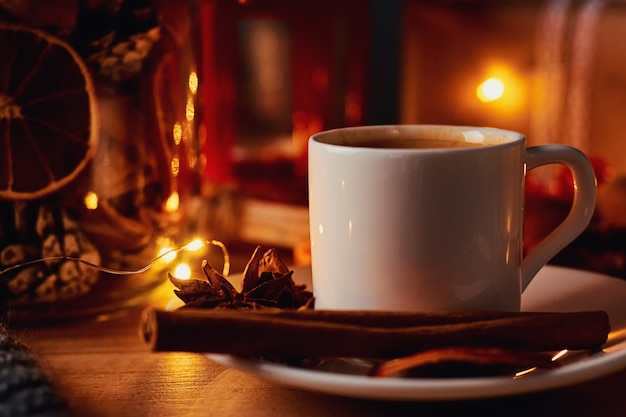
(490, 90)
(175, 166)
(177, 133)
(193, 82)
(190, 110)
(91, 200)
(182, 271)
(167, 254)
(172, 203)
(194, 245)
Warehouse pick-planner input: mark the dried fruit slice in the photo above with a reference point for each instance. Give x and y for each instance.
(48, 113)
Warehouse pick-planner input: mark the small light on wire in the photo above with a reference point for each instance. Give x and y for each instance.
(168, 254)
(194, 245)
(182, 271)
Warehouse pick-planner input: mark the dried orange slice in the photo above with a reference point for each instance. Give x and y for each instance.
(48, 113)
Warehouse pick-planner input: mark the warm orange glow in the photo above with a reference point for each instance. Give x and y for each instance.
(91, 200)
(524, 372)
(182, 271)
(167, 254)
(503, 89)
(172, 203)
(556, 357)
(175, 166)
(195, 245)
(489, 90)
(559, 355)
(193, 83)
(177, 132)
(190, 110)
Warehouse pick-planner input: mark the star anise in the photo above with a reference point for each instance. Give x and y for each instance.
(267, 282)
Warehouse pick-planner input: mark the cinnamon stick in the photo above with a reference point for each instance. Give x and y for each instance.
(317, 333)
(387, 319)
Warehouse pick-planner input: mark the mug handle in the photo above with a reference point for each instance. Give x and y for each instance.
(582, 206)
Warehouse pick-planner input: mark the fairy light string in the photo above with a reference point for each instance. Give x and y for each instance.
(193, 245)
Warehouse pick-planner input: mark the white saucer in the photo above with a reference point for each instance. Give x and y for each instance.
(553, 289)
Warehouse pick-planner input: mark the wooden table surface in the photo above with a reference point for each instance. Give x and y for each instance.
(103, 368)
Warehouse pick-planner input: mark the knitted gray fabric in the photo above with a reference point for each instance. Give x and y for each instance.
(24, 388)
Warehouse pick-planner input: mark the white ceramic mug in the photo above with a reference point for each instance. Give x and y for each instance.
(398, 226)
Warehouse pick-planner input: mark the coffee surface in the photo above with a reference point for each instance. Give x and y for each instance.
(413, 143)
